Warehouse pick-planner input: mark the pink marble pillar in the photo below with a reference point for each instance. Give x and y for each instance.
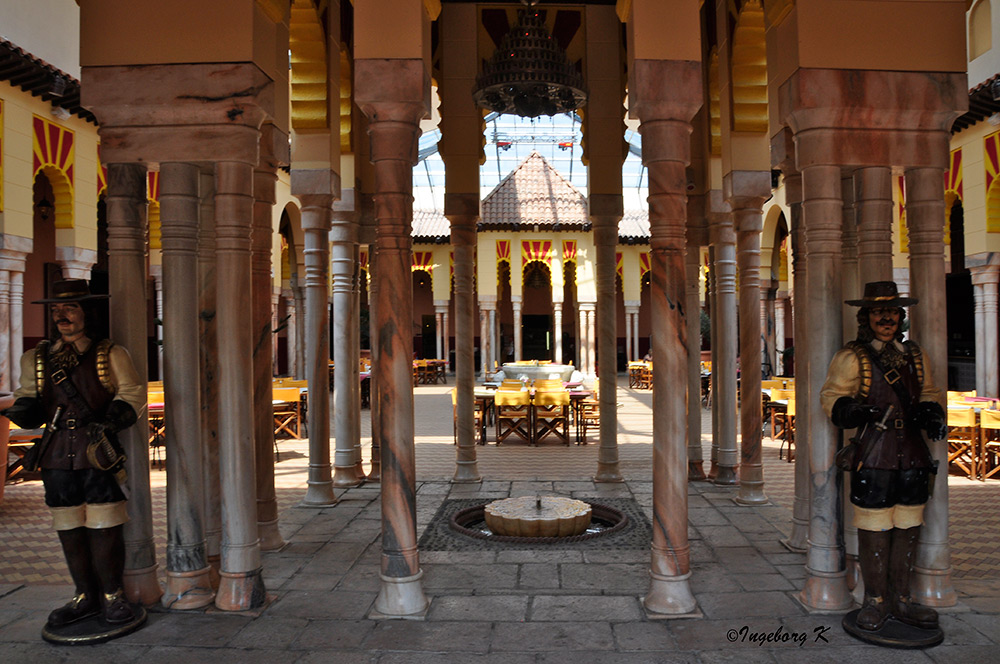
(188, 573)
(605, 212)
(581, 337)
(375, 284)
(316, 227)
(666, 95)
(392, 93)
(126, 208)
(241, 586)
(462, 211)
(209, 363)
(354, 330)
(692, 272)
(5, 358)
(264, 179)
(932, 584)
(16, 312)
(343, 239)
(798, 541)
(713, 316)
(749, 223)
(873, 201)
(483, 340)
(628, 334)
(723, 237)
(515, 304)
(826, 581)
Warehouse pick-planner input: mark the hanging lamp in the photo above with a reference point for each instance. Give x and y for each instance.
(529, 75)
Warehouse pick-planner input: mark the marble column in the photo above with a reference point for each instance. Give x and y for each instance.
(316, 215)
(291, 347)
(932, 584)
(76, 262)
(605, 212)
(188, 573)
(592, 367)
(515, 302)
(494, 353)
(301, 324)
(984, 282)
(628, 335)
(723, 237)
(798, 541)
(692, 270)
(156, 272)
(714, 333)
(16, 317)
(5, 356)
(749, 222)
(354, 330)
(767, 302)
(666, 140)
(375, 284)
(446, 337)
(826, 580)
(462, 211)
(393, 130)
(440, 326)
(208, 360)
(873, 201)
(275, 323)
(241, 586)
(557, 327)
(581, 334)
(780, 302)
(635, 332)
(264, 179)
(343, 239)
(851, 289)
(126, 209)
(484, 342)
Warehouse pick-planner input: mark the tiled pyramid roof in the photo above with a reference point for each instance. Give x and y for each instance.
(634, 227)
(534, 193)
(431, 227)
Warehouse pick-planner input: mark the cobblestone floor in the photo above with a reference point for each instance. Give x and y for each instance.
(539, 606)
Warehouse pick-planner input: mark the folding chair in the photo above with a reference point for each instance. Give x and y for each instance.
(963, 439)
(989, 443)
(477, 417)
(513, 413)
(286, 407)
(550, 411)
(788, 429)
(590, 417)
(157, 426)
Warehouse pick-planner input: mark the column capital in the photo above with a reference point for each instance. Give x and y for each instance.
(985, 274)
(747, 189)
(315, 182)
(392, 89)
(665, 89)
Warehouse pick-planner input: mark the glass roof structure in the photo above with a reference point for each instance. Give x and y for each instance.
(509, 141)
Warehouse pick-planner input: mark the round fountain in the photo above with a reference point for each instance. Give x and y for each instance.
(538, 519)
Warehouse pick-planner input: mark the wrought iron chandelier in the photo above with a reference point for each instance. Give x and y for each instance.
(529, 75)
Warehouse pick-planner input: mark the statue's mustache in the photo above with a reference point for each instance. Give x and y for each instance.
(886, 321)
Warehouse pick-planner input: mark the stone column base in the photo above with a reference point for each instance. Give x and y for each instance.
(696, 471)
(188, 590)
(466, 472)
(401, 598)
(725, 476)
(751, 493)
(670, 597)
(319, 494)
(933, 587)
(141, 585)
(825, 592)
(240, 591)
(346, 477)
(270, 537)
(608, 473)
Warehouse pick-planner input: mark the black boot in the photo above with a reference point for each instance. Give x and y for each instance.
(85, 603)
(873, 556)
(904, 548)
(107, 548)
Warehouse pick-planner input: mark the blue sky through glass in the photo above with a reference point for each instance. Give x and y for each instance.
(509, 141)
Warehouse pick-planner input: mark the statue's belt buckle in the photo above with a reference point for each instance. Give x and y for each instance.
(899, 423)
(892, 376)
(59, 376)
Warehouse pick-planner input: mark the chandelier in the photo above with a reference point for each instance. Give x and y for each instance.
(529, 75)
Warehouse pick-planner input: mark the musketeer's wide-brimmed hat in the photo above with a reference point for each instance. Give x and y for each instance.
(882, 294)
(71, 290)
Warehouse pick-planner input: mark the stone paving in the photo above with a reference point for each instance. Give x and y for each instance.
(539, 606)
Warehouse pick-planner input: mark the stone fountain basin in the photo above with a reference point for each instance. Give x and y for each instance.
(531, 516)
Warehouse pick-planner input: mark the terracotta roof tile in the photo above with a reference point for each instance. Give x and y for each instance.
(534, 193)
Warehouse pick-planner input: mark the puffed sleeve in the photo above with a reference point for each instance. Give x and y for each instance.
(27, 386)
(128, 387)
(928, 391)
(843, 379)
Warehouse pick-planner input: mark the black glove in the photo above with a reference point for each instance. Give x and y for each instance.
(931, 418)
(27, 413)
(849, 414)
(120, 415)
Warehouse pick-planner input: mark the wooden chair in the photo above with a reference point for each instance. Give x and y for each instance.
(477, 417)
(646, 376)
(989, 443)
(787, 429)
(635, 370)
(963, 439)
(551, 414)
(286, 406)
(590, 417)
(157, 426)
(776, 411)
(513, 415)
